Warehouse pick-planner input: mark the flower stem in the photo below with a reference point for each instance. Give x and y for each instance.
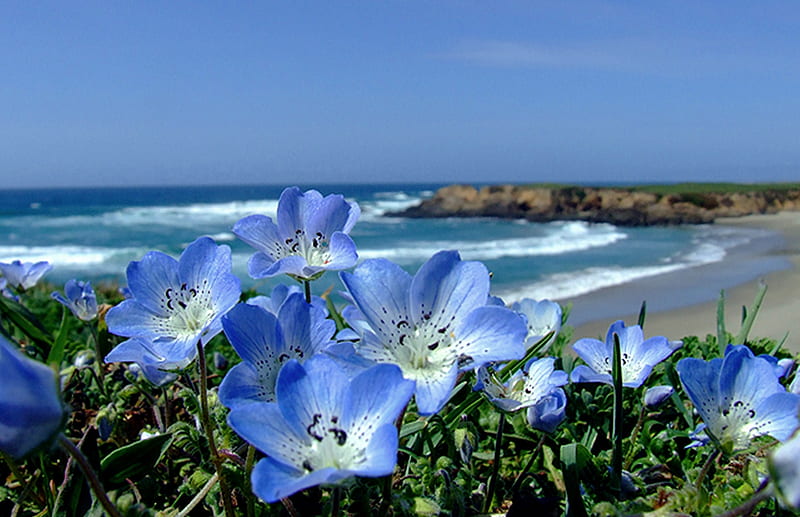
(534, 455)
(248, 470)
(199, 496)
(289, 507)
(635, 436)
(307, 289)
(706, 467)
(67, 474)
(91, 476)
(206, 421)
(98, 358)
(616, 458)
(498, 449)
(336, 501)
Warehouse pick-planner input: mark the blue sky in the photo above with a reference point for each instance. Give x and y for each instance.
(148, 93)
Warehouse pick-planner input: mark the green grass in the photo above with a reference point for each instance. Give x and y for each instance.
(683, 188)
(716, 188)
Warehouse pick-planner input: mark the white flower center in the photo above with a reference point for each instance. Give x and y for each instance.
(737, 424)
(189, 310)
(423, 348)
(314, 249)
(331, 445)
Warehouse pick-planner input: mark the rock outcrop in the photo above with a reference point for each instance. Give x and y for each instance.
(619, 206)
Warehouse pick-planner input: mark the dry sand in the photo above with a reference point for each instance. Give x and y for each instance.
(780, 312)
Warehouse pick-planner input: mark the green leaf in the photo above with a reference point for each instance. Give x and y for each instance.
(20, 316)
(574, 458)
(56, 354)
(135, 460)
(721, 333)
(425, 506)
(750, 316)
(336, 316)
(642, 313)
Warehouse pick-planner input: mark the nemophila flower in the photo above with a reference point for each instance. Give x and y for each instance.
(739, 397)
(310, 237)
(536, 387)
(174, 304)
(657, 395)
(549, 412)
(31, 411)
(785, 469)
(24, 275)
(265, 342)
(80, 299)
(325, 426)
(434, 324)
(542, 317)
(639, 356)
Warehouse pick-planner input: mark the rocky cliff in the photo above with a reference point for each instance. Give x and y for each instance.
(619, 206)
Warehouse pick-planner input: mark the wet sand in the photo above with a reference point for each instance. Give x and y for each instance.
(685, 303)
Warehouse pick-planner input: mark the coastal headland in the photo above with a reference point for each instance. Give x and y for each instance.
(690, 203)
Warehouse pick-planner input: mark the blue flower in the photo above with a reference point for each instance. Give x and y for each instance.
(265, 342)
(638, 356)
(311, 236)
(536, 387)
(325, 427)
(174, 304)
(785, 469)
(80, 299)
(739, 397)
(434, 324)
(31, 412)
(24, 275)
(542, 318)
(657, 395)
(549, 412)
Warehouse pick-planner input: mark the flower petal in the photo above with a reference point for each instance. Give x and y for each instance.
(241, 385)
(273, 481)
(262, 425)
(375, 398)
(150, 278)
(700, 380)
(433, 389)
(445, 286)
(487, 334)
(380, 291)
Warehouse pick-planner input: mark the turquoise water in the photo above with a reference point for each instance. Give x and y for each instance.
(92, 234)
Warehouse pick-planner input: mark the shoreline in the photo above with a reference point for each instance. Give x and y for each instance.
(778, 265)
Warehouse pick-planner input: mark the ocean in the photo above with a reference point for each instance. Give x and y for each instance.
(92, 234)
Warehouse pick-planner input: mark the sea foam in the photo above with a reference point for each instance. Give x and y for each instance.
(559, 238)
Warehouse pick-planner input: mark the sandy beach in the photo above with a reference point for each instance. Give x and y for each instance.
(778, 267)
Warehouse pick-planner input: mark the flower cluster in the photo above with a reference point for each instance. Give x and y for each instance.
(326, 394)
